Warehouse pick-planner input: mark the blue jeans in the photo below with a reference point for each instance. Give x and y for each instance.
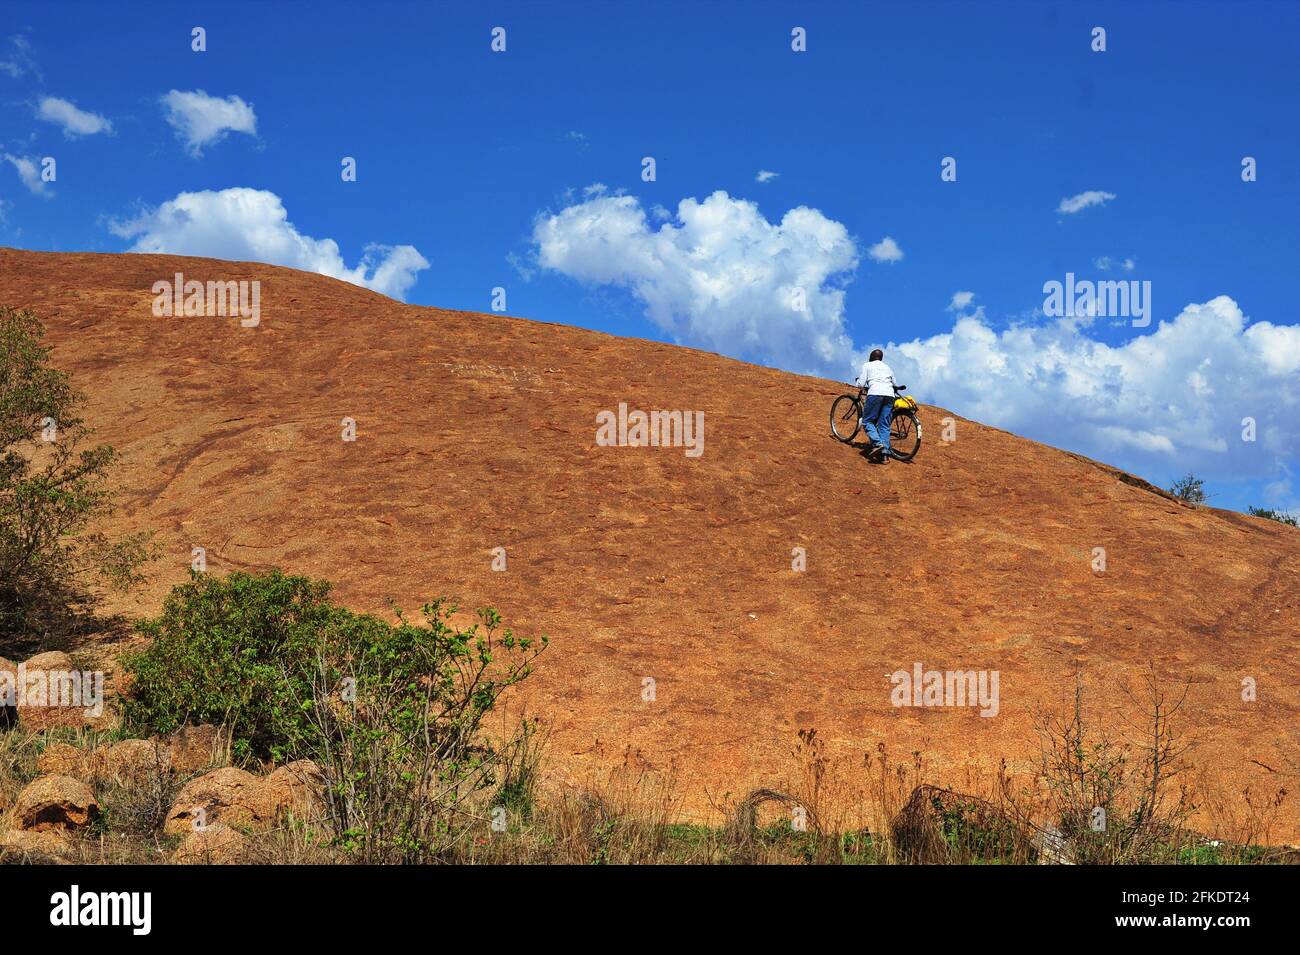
(877, 413)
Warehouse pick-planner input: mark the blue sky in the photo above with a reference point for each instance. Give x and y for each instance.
(523, 170)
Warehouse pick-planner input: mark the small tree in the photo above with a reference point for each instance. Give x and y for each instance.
(1190, 489)
(1117, 800)
(52, 489)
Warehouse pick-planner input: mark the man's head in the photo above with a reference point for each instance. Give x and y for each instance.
(877, 355)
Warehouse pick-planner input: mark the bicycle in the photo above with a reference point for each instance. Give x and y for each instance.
(904, 429)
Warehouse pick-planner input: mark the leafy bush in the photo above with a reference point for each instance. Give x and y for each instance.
(51, 490)
(238, 651)
(392, 713)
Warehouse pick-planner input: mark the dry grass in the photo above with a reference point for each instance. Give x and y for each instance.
(872, 809)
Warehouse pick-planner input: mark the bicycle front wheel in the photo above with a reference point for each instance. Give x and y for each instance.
(905, 435)
(846, 418)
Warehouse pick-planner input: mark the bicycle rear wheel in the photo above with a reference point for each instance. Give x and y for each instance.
(846, 418)
(905, 435)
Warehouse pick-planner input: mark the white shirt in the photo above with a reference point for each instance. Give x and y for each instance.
(878, 377)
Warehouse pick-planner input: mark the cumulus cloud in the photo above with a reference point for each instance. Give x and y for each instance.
(717, 274)
(201, 120)
(1175, 397)
(75, 122)
(1093, 197)
(253, 225)
(886, 250)
(766, 175)
(30, 174)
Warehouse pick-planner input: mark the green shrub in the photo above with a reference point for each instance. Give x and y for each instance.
(1282, 517)
(236, 651)
(392, 713)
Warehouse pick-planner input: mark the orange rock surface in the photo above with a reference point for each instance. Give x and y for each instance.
(478, 431)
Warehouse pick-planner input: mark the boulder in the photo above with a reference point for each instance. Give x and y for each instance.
(61, 759)
(135, 760)
(298, 788)
(229, 795)
(238, 798)
(940, 825)
(217, 844)
(20, 847)
(55, 803)
(194, 748)
(51, 660)
(35, 718)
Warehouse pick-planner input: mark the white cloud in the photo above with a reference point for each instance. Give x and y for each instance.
(1172, 397)
(1281, 494)
(960, 301)
(1105, 263)
(19, 61)
(201, 120)
(252, 225)
(886, 250)
(717, 274)
(30, 174)
(1093, 197)
(75, 122)
(766, 175)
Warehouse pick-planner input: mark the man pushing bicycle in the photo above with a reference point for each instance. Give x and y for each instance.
(877, 405)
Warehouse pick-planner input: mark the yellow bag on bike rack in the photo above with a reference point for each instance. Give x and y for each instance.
(904, 403)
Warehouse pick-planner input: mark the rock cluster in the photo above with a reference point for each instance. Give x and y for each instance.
(213, 812)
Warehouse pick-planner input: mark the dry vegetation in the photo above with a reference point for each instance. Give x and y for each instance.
(874, 810)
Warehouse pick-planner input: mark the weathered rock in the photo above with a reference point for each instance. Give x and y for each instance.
(50, 660)
(229, 795)
(942, 826)
(55, 803)
(20, 847)
(57, 704)
(217, 844)
(135, 760)
(298, 788)
(194, 748)
(60, 759)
